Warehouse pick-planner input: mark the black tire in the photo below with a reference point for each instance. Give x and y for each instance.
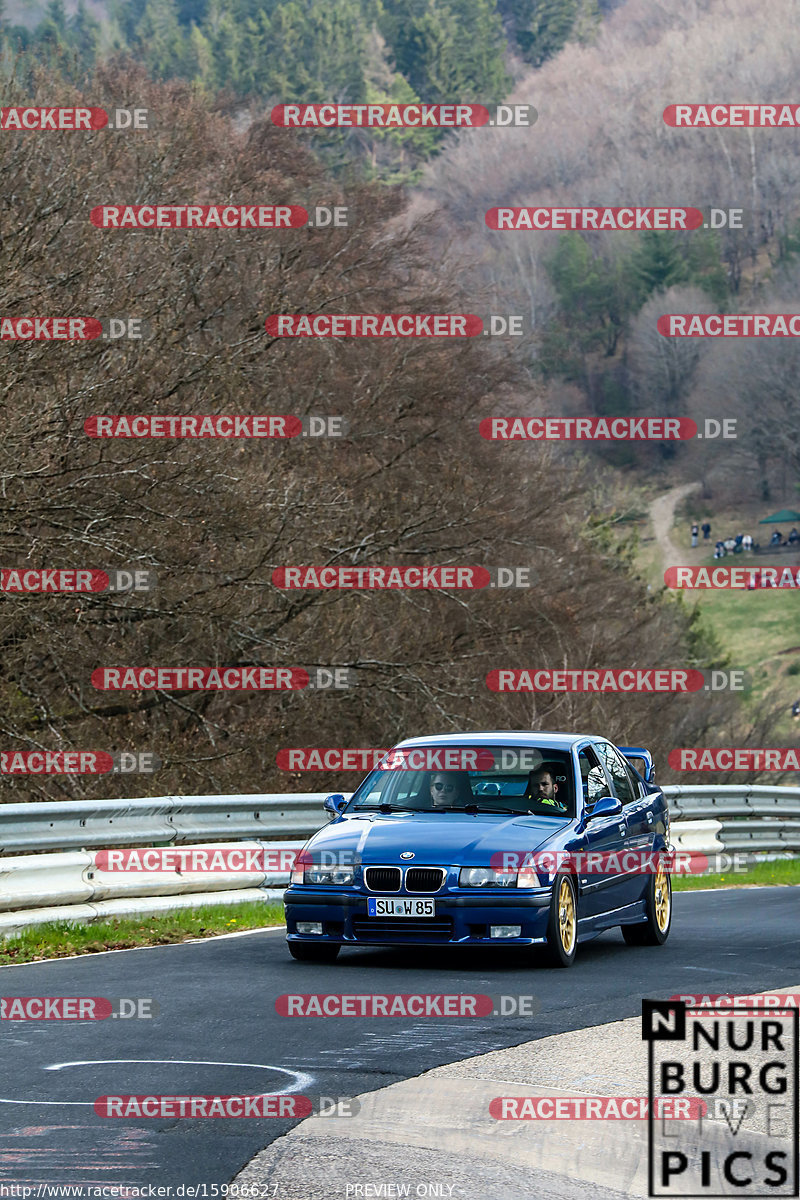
(319, 952)
(654, 930)
(562, 928)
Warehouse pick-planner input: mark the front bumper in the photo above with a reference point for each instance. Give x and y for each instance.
(460, 919)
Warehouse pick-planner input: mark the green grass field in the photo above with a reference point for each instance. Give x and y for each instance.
(63, 940)
(759, 630)
(784, 872)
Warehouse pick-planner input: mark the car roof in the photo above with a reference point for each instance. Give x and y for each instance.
(545, 739)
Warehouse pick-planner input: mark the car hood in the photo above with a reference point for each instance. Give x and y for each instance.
(435, 839)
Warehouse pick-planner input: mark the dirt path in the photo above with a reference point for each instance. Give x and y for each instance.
(662, 513)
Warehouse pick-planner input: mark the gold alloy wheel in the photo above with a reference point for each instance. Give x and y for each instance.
(566, 916)
(662, 899)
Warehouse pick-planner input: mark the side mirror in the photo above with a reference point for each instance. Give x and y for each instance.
(606, 806)
(334, 804)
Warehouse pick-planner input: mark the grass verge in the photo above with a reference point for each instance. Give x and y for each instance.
(62, 940)
(784, 871)
(59, 939)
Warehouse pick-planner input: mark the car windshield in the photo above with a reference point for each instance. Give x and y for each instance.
(502, 780)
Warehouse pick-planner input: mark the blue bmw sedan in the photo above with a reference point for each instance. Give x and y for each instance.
(488, 839)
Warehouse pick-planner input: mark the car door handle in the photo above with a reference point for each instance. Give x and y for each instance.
(623, 829)
(649, 817)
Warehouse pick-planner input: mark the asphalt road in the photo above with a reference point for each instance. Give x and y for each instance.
(217, 1031)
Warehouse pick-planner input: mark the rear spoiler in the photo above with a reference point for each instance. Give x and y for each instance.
(645, 765)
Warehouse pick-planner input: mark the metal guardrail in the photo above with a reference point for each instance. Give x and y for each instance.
(177, 820)
(750, 816)
(37, 887)
(730, 800)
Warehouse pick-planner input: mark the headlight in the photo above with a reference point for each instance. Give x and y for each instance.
(486, 877)
(336, 875)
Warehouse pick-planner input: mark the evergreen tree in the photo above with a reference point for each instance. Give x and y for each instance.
(51, 39)
(127, 15)
(448, 50)
(160, 38)
(223, 36)
(191, 12)
(595, 300)
(85, 35)
(393, 152)
(480, 46)
(658, 262)
(199, 58)
(541, 28)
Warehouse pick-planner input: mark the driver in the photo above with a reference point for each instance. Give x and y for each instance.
(542, 790)
(450, 789)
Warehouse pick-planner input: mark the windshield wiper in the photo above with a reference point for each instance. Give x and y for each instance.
(476, 808)
(384, 808)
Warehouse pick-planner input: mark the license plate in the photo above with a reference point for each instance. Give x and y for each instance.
(399, 906)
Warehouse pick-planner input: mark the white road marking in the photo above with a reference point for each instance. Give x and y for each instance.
(300, 1079)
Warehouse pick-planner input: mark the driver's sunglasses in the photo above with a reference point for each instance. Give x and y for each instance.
(444, 787)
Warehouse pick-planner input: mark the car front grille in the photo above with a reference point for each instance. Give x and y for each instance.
(367, 929)
(382, 879)
(424, 879)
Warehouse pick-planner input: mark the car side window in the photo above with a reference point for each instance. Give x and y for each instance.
(593, 777)
(639, 789)
(618, 770)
